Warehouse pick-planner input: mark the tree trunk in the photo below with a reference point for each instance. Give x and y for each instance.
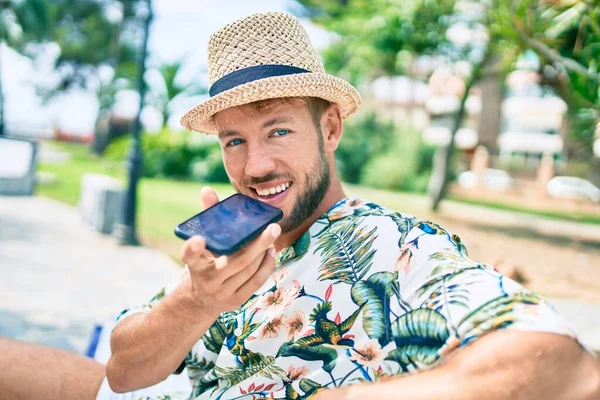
(2, 128)
(443, 158)
(491, 105)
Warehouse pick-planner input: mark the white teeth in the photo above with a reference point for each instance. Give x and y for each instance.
(273, 190)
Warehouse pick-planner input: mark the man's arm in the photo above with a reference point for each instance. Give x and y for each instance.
(147, 347)
(502, 365)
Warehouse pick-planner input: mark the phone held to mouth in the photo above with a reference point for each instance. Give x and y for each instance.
(230, 224)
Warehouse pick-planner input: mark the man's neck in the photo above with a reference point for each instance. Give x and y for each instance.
(333, 195)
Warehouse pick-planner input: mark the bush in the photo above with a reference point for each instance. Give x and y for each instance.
(209, 168)
(405, 166)
(178, 155)
(365, 137)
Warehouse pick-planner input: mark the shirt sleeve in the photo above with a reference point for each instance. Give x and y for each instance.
(165, 291)
(472, 299)
(204, 353)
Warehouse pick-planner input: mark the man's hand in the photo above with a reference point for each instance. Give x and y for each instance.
(148, 346)
(224, 283)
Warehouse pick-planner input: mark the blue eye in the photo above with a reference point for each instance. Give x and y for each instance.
(235, 142)
(281, 132)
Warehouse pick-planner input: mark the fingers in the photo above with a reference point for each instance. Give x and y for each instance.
(209, 197)
(235, 281)
(228, 281)
(265, 269)
(252, 250)
(200, 260)
(194, 253)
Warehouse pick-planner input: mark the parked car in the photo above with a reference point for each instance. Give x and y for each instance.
(570, 187)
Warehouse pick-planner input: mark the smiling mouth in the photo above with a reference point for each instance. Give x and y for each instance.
(272, 191)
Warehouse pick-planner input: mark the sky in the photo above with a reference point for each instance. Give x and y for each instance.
(180, 31)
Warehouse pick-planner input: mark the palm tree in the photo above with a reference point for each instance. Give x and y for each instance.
(172, 88)
(20, 22)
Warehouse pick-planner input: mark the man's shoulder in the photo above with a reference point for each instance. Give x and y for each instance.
(366, 213)
(361, 214)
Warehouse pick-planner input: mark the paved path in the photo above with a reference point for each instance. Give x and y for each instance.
(535, 224)
(57, 278)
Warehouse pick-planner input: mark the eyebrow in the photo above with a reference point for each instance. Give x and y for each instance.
(226, 134)
(269, 123)
(276, 120)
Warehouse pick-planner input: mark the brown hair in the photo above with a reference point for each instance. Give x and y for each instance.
(316, 106)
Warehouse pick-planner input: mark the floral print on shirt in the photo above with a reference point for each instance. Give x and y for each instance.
(367, 293)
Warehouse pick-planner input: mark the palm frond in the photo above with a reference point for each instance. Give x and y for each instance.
(445, 295)
(230, 376)
(452, 266)
(346, 252)
(311, 340)
(497, 313)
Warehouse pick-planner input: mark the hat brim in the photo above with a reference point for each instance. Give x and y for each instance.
(321, 85)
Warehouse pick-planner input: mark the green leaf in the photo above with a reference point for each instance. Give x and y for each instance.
(373, 296)
(308, 385)
(404, 225)
(495, 314)
(451, 266)
(215, 337)
(418, 335)
(265, 366)
(346, 252)
(314, 353)
(159, 295)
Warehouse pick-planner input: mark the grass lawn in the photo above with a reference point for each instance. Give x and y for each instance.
(164, 203)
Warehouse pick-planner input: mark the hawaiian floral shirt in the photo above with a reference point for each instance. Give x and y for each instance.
(366, 293)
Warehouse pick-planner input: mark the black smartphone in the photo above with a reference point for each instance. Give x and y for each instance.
(230, 224)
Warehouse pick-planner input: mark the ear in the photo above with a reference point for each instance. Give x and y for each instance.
(331, 127)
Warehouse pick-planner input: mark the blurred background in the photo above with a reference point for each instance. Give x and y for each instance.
(483, 116)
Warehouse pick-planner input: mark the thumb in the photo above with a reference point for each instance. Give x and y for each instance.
(209, 197)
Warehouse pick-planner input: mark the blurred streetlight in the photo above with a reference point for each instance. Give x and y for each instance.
(125, 230)
(4, 5)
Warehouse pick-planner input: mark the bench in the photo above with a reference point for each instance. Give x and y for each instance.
(17, 166)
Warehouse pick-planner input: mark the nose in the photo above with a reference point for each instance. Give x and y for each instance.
(260, 161)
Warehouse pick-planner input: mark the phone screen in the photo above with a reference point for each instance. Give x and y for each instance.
(230, 224)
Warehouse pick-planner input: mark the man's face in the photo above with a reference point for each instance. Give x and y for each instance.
(276, 154)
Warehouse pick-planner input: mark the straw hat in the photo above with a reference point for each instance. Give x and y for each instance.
(265, 56)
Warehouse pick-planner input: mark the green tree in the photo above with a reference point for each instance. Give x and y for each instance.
(365, 137)
(171, 87)
(92, 34)
(378, 37)
(566, 37)
(383, 36)
(20, 22)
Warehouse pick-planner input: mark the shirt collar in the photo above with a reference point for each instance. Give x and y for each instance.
(300, 247)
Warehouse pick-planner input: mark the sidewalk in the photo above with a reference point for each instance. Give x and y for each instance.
(58, 279)
(510, 220)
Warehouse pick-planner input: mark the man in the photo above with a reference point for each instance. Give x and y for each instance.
(335, 302)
